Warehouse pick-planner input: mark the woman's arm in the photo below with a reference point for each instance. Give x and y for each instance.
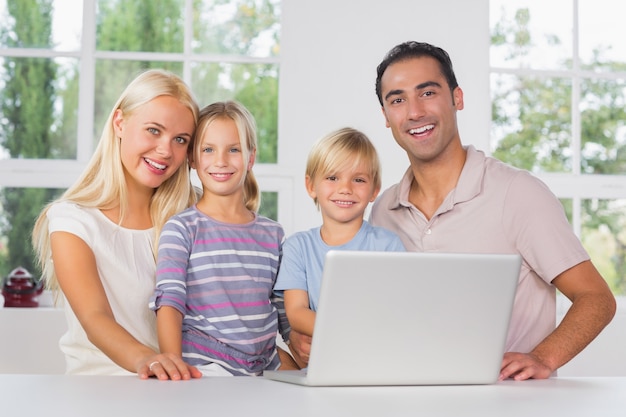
(75, 267)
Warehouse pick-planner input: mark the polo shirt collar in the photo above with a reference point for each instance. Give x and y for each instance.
(468, 186)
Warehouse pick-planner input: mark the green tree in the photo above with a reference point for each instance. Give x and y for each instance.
(133, 26)
(254, 85)
(27, 106)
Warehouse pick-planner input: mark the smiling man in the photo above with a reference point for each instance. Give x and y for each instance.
(455, 199)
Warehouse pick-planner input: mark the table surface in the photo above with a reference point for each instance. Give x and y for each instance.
(68, 396)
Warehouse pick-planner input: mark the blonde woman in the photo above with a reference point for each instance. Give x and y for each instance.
(96, 243)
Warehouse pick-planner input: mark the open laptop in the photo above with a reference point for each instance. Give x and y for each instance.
(408, 318)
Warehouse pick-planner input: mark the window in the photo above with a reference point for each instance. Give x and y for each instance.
(63, 63)
(558, 87)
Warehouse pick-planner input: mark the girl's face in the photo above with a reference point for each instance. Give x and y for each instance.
(154, 140)
(343, 196)
(219, 159)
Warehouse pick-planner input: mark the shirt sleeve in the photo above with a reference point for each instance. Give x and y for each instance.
(171, 271)
(545, 237)
(69, 218)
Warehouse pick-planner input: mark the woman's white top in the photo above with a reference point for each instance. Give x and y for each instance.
(126, 266)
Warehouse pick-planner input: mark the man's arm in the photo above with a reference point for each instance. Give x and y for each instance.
(593, 307)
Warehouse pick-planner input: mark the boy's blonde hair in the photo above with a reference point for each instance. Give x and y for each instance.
(340, 149)
(102, 184)
(246, 128)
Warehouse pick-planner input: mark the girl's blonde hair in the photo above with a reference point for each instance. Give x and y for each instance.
(246, 128)
(340, 149)
(102, 184)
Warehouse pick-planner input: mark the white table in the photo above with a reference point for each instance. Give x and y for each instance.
(68, 396)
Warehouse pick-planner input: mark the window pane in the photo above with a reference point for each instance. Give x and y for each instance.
(41, 24)
(269, 205)
(604, 237)
(140, 26)
(254, 85)
(38, 108)
(19, 208)
(568, 207)
(602, 34)
(531, 122)
(531, 33)
(112, 77)
(237, 27)
(603, 126)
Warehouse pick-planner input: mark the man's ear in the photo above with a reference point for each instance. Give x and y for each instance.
(457, 95)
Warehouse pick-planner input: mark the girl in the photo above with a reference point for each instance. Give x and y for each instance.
(96, 243)
(218, 260)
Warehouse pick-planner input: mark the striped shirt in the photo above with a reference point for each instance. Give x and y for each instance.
(220, 277)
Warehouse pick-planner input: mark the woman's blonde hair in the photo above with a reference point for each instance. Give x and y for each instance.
(246, 128)
(340, 149)
(102, 184)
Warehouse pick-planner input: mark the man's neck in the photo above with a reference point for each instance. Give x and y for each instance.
(434, 180)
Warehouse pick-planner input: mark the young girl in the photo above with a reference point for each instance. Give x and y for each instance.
(96, 243)
(342, 177)
(217, 261)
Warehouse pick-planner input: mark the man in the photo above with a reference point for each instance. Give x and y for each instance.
(454, 199)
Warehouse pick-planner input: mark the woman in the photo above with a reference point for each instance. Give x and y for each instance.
(96, 243)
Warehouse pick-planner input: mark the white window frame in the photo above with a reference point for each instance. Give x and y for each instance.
(575, 185)
(61, 173)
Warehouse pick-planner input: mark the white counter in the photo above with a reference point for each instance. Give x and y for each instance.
(69, 396)
(29, 340)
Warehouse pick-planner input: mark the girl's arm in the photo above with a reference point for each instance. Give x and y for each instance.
(301, 317)
(170, 330)
(75, 267)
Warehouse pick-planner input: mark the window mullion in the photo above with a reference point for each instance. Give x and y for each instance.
(87, 75)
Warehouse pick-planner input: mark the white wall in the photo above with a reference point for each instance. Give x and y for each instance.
(329, 53)
(605, 355)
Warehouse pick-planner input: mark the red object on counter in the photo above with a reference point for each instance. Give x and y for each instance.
(21, 290)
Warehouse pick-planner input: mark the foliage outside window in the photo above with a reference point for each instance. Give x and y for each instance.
(558, 86)
(59, 80)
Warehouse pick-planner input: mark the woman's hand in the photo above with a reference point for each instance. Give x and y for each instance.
(166, 366)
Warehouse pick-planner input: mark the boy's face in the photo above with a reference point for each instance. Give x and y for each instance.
(344, 195)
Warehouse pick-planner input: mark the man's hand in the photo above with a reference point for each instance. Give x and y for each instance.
(300, 347)
(521, 366)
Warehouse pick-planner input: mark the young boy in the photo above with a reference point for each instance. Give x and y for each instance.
(343, 176)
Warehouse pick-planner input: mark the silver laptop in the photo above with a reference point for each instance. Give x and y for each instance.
(407, 318)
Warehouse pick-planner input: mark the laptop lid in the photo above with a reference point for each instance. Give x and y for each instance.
(408, 318)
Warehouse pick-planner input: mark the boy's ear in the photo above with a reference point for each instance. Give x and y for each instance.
(310, 187)
(375, 194)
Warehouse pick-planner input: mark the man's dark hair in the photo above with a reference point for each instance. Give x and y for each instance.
(412, 49)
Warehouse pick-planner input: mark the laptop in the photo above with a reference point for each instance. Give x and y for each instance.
(408, 318)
